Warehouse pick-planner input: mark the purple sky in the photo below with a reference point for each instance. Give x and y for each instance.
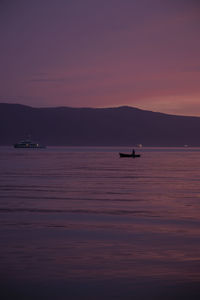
(101, 53)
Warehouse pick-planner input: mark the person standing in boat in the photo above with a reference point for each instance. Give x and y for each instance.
(133, 152)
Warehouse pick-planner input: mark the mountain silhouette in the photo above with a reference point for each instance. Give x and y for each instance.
(118, 126)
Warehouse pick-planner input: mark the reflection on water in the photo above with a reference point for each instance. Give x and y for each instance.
(81, 223)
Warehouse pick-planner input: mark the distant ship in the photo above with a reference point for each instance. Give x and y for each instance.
(27, 143)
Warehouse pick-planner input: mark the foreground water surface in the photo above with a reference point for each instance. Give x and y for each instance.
(81, 223)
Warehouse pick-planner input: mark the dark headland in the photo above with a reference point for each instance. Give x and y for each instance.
(120, 126)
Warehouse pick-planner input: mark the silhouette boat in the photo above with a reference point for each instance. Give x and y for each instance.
(28, 144)
(133, 155)
(129, 155)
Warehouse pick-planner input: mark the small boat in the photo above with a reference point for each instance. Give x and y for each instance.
(129, 155)
(28, 144)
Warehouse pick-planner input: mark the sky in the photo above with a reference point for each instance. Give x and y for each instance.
(101, 53)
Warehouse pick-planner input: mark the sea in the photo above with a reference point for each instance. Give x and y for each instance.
(83, 223)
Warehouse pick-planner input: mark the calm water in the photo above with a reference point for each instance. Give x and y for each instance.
(81, 223)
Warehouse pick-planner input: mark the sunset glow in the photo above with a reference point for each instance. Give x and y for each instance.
(101, 54)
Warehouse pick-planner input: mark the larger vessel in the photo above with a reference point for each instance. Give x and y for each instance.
(27, 143)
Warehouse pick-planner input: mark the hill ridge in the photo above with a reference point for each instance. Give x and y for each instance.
(84, 126)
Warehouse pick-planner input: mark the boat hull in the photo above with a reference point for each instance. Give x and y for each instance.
(129, 155)
(28, 146)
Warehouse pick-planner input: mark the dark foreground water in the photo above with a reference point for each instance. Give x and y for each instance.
(81, 223)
